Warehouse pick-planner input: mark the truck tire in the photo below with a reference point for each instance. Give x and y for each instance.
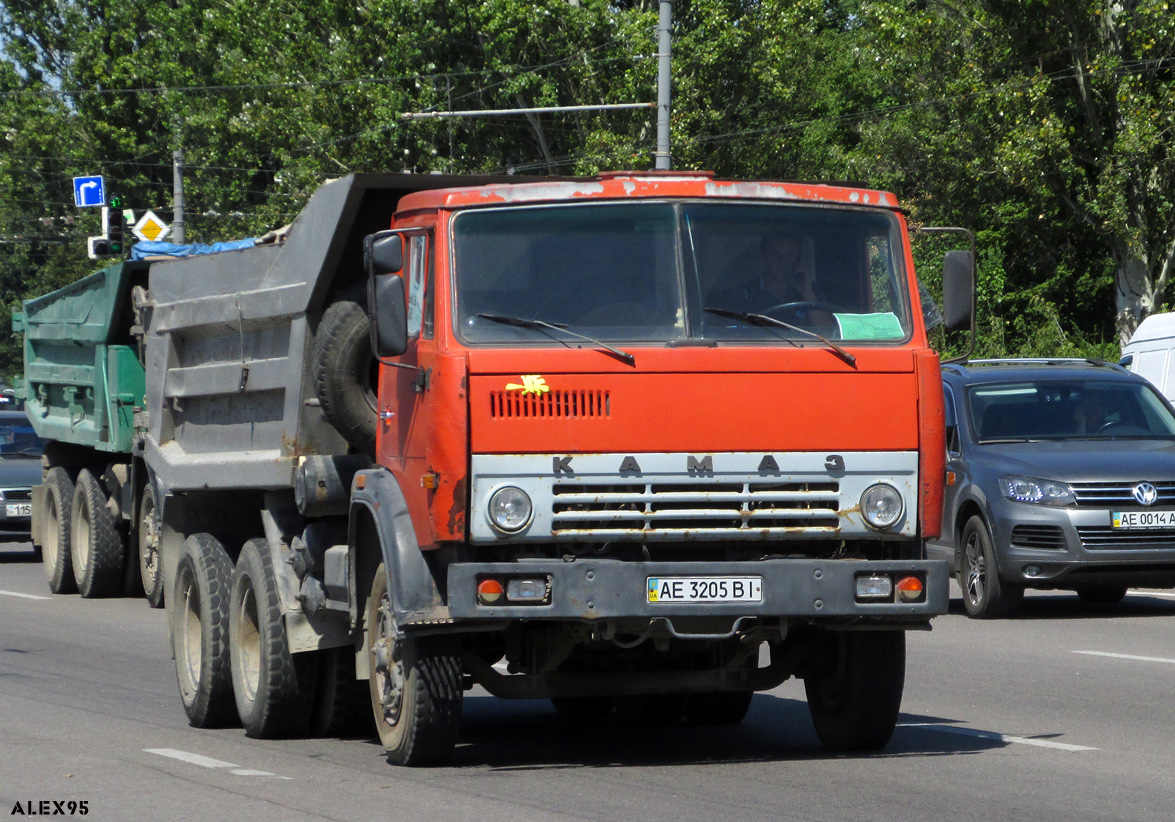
(199, 631)
(854, 689)
(340, 700)
(96, 548)
(415, 686)
(274, 689)
(344, 373)
(55, 552)
(149, 570)
(718, 707)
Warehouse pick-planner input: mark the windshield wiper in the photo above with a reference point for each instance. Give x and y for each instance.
(623, 356)
(763, 319)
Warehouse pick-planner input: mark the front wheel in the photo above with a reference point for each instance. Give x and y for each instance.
(854, 687)
(415, 686)
(985, 595)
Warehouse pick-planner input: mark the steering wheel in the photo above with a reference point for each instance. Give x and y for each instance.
(1113, 425)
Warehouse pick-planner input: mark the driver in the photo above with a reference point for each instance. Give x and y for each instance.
(783, 279)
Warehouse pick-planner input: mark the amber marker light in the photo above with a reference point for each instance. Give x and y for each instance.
(910, 589)
(489, 591)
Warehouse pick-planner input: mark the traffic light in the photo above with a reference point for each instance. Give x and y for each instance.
(112, 242)
(116, 224)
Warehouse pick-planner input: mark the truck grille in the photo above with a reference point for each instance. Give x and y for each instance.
(1038, 536)
(565, 404)
(1118, 494)
(713, 508)
(1103, 538)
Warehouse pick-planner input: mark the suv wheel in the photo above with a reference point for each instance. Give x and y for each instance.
(985, 595)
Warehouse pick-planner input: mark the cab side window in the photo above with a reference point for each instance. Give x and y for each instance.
(952, 420)
(420, 298)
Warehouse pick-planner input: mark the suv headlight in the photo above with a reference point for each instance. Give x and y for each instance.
(1037, 491)
(510, 509)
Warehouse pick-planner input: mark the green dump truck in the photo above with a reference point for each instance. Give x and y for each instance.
(84, 383)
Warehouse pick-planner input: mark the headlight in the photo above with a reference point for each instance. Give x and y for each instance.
(1041, 492)
(510, 509)
(881, 505)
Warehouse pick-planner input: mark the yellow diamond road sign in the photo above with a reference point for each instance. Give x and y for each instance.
(151, 228)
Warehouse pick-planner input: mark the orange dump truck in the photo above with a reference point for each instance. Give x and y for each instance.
(616, 457)
(642, 443)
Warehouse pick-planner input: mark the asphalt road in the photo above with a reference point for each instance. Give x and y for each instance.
(1066, 713)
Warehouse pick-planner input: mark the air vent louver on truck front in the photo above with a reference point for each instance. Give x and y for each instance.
(565, 404)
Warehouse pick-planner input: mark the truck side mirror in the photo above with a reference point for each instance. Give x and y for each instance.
(958, 290)
(389, 314)
(383, 253)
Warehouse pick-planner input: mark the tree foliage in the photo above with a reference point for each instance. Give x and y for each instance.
(1044, 125)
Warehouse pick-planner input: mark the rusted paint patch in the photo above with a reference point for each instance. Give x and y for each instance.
(540, 191)
(760, 191)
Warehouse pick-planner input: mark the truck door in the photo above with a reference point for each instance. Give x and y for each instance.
(405, 412)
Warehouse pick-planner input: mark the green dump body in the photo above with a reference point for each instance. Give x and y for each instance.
(83, 377)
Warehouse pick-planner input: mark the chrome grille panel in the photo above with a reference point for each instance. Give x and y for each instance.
(1119, 494)
(697, 507)
(1105, 538)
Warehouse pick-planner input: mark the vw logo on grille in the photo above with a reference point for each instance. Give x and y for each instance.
(1145, 493)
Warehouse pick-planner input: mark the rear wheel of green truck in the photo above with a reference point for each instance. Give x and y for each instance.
(97, 550)
(199, 631)
(55, 552)
(415, 686)
(854, 686)
(274, 689)
(149, 570)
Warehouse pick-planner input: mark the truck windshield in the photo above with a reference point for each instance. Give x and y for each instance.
(648, 272)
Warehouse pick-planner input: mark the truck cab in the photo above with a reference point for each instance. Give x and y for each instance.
(628, 462)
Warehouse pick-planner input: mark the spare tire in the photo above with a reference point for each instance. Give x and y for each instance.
(345, 373)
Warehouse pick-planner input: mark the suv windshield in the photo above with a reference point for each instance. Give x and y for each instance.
(647, 272)
(1073, 409)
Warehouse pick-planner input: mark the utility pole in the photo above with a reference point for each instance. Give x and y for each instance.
(177, 196)
(664, 24)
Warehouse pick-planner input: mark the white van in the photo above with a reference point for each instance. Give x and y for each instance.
(1151, 352)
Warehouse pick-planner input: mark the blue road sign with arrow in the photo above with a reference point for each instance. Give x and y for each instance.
(89, 191)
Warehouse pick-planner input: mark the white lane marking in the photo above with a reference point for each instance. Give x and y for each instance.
(1127, 656)
(1020, 740)
(1151, 594)
(22, 596)
(208, 762)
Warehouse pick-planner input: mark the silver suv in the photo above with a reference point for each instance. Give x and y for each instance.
(1060, 474)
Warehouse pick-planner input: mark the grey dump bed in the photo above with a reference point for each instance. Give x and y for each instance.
(229, 400)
